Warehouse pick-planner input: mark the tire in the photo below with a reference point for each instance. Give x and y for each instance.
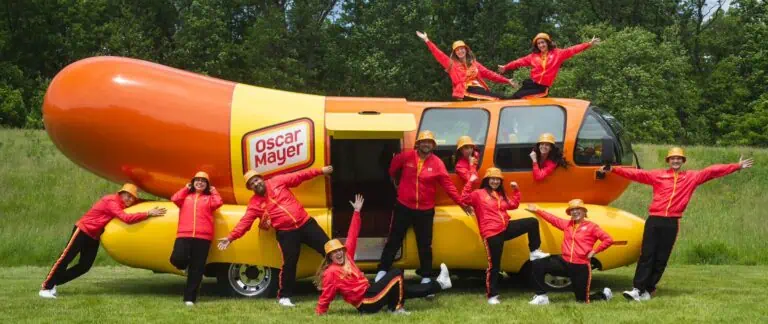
(552, 283)
(250, 281)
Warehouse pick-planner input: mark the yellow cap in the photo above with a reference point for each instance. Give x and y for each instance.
(131, 189)
(203, 175)
(248, 175)
(464, 141)
(575, 204)
(426, 136)
(493, 173)
(333, 245)
(458, 44)
(547, 138)
(541, 36)
(675, 151)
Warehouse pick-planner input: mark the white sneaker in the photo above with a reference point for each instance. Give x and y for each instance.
(608, 293)
(633, 294)
(380, 275)
(539, 300)
(645, 296)
(286, 302)
(401, 311)
(494, 300)
(47, 293)
(189, 303)
(538, 254)
(444, 278)
(53, 291)
(425, 280)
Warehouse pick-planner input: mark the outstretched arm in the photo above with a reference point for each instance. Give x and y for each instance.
(354, 226)
(552, 219)
(637, 175)
(490, 75)
(518, 63)
(294, 179)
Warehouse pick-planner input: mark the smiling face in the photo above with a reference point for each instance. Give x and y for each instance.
(541, 44)
(578, 214)
(128, 199)
(199, 184)
(338, 256)
(545, 148)
(676, 162)
(494, 183)
(461, 52)
(467, 150)
(425, 146)
(258, 185)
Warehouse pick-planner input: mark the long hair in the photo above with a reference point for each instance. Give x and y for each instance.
(327, 262)
(457, 155)
(500, 190)
(550, 46)
(554, 155)
(470, 58)
(206, 191)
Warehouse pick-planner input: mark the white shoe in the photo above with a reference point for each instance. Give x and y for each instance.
(608, 293)
(285, 302)
(189, 303)
(47, 293)
(401, 311)
(425, 280)
(494, 300)
(645, 296)
(633, 294)
(538, 254)
(53, 291)
(380, 275)
(539, 300)
(444, 278)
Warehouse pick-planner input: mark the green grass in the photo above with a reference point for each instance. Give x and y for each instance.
(119, 294)
(42, 194)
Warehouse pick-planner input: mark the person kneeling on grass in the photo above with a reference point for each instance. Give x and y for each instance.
(580, 237)
(340, 275)
(86, 234)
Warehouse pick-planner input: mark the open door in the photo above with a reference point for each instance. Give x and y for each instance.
(362, 146)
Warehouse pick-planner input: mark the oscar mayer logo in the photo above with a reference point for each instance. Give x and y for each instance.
(284, 147)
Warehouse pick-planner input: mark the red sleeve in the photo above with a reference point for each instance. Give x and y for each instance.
(294, 179)
(179, 196)
(397, 164)
(328, 294)
(552, 219)
(641, 176)
(245, 223)
(117, 211)
(573, 50)
(352, 234)
(441, 58)
(490, 75)
(605, 239)
(514, 202)
(540, 174)
(518, 63)
(445, 181)
(466, 194)
(216, 200)
(462, 170)
(716, 171)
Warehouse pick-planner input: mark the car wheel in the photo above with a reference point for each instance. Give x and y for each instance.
(244, 280)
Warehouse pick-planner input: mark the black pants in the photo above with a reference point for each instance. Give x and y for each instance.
(191, 253)
(494, 247)
(290, 245)
(392, 292)
(530, 88)
(480, 93)
(659, 236)
(402, 219)
(580, 274)
(79, 243)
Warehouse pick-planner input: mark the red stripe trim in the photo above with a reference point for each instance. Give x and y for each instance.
(383, 292)
(280, 275)
(589, 280)
(56, 265)
(488, 271)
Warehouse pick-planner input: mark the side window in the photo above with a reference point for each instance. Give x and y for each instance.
(624, 153)
(519, 130)
(450, 124)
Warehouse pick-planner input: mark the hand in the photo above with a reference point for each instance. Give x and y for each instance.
(212, 188)
(157, 211)
(189, 186)
(533, 156)
(468, 210)
(422, 35)
(606, 168)
(745, 164)
(358, 204)
(501, 69)
(594, 41)
(223, 243)
(473, 178)
(472, 160)
(591, 254)
(514, 185)
(327, 170)
(513, 83)
(532, 208)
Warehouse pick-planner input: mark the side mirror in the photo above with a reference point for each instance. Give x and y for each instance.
(607, 157)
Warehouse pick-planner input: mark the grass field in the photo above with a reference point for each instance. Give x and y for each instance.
(702, 294)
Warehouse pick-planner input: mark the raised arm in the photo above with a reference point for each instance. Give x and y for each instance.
(637, 175)
(569, 52)
(490, 75)
(518, 63)
(558, 222)
(605, 239)
(245, 223)
(294, 179)
(328, 294)
(354, 227)
(118, 212)
(716, 171)
(179, 196)
(441, 58)
(216, 200)
(514, 201)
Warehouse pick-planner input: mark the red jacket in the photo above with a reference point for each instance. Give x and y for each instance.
(672, 191)
(579, 238)
(539, 174)
(490, 209)
(279, 205)
(418, 185)
(464, 170)
(462, 76)
(544, 68)
(103, 211)
(351, 286)
(196, 213)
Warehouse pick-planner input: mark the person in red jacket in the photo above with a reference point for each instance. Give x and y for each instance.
(672, 190)
(340, 275)
(276, 206)
(467, 157)
(577, 251)
(86, 233)
(491, 204)
(545, 61)
(196, 201)
(419, 172)
(466, 72)
(546, 157)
